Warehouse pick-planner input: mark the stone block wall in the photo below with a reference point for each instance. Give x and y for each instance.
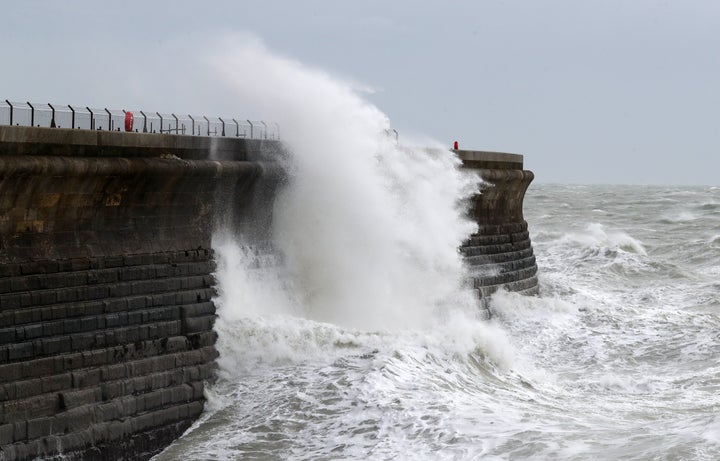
(103, 358)
(500, 254)
(106, 285)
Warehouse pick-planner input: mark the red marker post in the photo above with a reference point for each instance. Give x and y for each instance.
(455, 145)
(129, 121)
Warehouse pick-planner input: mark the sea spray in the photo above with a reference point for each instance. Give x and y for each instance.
(608, 365)
(348, 332)
(368, 231)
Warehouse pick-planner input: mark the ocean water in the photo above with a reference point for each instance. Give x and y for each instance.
(349, 332)
(617, 359)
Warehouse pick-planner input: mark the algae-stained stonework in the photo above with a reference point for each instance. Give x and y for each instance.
(106, 287)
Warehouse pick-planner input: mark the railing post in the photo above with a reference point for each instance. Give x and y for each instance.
(11, 111)
(32, 114)
(52, 120)
(396, 135)
(263, 134)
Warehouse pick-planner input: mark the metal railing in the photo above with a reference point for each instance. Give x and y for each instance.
(87, 118)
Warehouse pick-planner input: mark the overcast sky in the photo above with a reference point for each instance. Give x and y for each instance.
(590, 91)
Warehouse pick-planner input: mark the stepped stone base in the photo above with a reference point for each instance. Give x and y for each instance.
(103, 358)
(510, 265)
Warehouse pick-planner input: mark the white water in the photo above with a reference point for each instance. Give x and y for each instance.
(364, 228)
(356, 339)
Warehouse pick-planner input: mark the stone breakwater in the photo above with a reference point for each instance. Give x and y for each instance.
(106, 286)
(106, 277)
(500, 254)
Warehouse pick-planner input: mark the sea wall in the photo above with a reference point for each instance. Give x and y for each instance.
(106, 277)
(106, 285)
(500, 254)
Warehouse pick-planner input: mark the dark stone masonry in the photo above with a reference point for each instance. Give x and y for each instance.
(106, 286)
(103, 356)
(500, 253)
(106, 277)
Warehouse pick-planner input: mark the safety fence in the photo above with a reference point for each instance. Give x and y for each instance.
(88, 118)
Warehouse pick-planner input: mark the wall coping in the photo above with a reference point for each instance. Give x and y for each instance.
(24, 140)
(488, 156)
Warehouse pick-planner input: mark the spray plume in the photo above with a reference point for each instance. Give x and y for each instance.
(368, 230)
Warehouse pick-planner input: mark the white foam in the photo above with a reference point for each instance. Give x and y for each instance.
(711, 431)
(368, 231)
(679, 217)
(595, 236)
(362, 346)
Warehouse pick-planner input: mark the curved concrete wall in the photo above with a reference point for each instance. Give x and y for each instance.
(500, 254)
(106, 288)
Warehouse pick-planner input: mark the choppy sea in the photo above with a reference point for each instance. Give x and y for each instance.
(618, 358)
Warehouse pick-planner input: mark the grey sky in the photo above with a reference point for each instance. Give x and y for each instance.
(596, 91)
